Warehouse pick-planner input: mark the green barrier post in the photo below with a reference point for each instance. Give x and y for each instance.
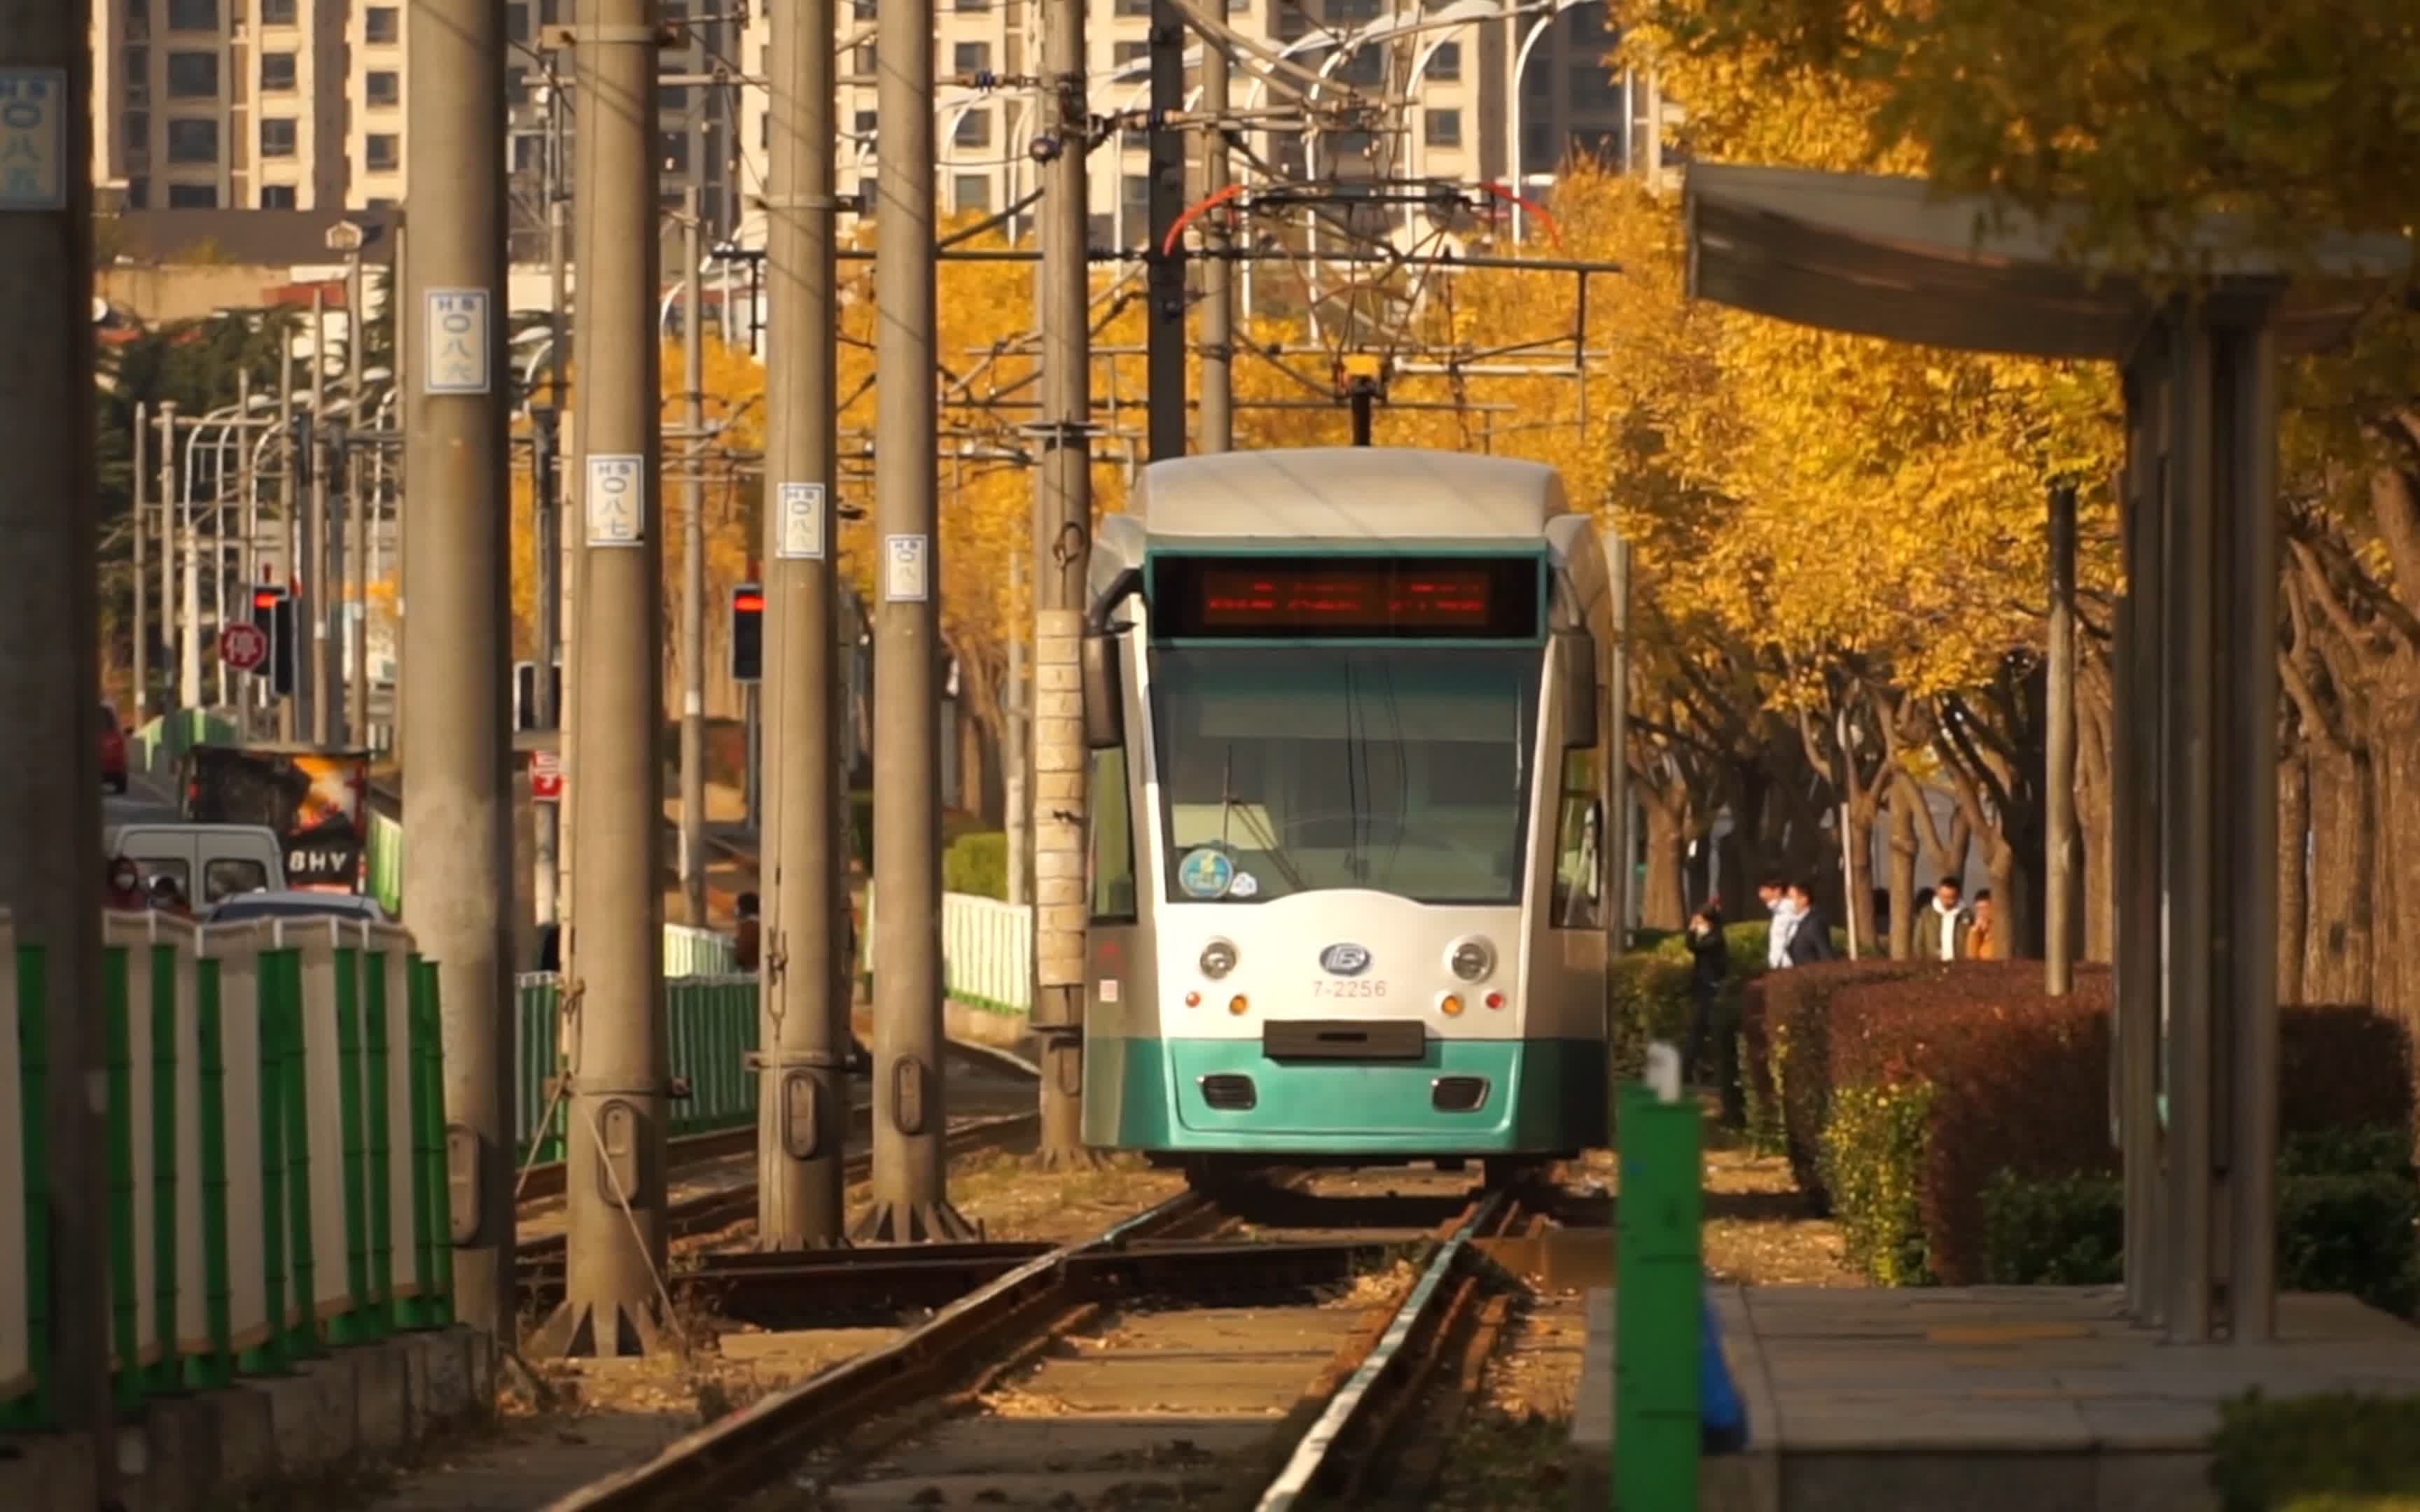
(1658, 1294)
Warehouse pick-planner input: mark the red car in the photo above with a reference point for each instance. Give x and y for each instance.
(113, 750)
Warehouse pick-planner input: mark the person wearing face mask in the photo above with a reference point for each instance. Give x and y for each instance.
(1775, 894)
(124, 889)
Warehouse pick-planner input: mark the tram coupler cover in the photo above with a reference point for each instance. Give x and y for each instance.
(1659, 1297)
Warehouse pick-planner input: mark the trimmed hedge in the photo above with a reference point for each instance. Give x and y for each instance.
(2333, 1453)
(977, 864)
(1942, 1090)
(1783, 1049)
(1648, 999)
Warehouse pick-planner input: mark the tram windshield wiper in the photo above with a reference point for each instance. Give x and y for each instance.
(1255, 819)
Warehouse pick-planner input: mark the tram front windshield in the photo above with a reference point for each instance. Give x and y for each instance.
(1303, 770)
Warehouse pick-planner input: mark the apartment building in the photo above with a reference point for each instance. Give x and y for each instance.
(1458, 59)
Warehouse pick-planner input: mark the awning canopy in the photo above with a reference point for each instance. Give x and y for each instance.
(1889, 258)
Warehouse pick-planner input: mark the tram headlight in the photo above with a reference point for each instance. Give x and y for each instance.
(1218, 959)
(1472, 959)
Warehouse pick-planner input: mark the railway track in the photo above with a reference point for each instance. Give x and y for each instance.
(1268, 1352)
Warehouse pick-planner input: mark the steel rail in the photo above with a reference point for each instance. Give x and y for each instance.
(729, 1458)
(1370, 1397)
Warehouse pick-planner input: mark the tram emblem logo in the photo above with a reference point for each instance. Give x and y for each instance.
(1342, 960)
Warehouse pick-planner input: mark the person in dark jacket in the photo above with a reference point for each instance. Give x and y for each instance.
(1709, 962)
(1812, 941)
(750, 937)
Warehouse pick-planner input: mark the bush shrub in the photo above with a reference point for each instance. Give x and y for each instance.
(1648, 998)
(2350, 1232)
(2333, 1453)
(2010, 1163)
(977, 863)
(1782, 1053)
(1873, 1152)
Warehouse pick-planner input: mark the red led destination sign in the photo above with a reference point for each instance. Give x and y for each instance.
(1235, 597)
(1358, 598)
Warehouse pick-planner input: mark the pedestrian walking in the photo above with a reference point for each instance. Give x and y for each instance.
(1775, 894)
(1709, 962)
(1810, 933)
(750, 940)
(1983, 932)
(1940, 926)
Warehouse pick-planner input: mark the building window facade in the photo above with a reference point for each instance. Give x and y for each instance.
(276, 73)
(193, 15)
(277, 136)
(193, 196)
(277, 196)
(193, 141)
(383, 150)
(1442, 127)
(381, 26)
(193, 75)
(277, 13)
(384, 86)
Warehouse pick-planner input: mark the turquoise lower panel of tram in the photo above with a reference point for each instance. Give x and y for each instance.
(1543, 1096)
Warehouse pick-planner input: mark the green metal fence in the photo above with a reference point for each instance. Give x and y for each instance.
(709, 1024)
(161, 742)
(275, 1148)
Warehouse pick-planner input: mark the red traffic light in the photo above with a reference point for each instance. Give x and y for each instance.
(266, 598)
(747, 603)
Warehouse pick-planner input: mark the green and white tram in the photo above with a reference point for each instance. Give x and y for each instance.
(1357, 731)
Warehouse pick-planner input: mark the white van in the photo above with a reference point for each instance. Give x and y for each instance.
(208, 862)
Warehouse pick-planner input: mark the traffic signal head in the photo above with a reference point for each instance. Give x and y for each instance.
(747, 633)
(272, 610)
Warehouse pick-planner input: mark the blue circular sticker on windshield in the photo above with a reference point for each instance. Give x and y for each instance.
(1206, 873)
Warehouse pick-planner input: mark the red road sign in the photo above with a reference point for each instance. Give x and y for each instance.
(546, 776)
(243, 647)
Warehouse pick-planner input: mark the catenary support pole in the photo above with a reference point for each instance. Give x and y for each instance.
(1217, 273)
(692, 725)
(49, 627)
(1016, 754)
(238, 605)
(911, 1197)
(1062, 539)
(614, 1285)
(356, 616)
(288, 706)
(803, 1117)
(2059, 916)
(1164, 282)
(457, 870)
(171, 685)
(139, 530)
(546, 510)
(324, 592)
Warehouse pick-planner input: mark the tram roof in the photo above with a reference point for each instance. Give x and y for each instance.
(1343, 493)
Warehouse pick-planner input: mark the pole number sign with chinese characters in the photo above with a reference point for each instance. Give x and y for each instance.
(456, 326)
(617, 501)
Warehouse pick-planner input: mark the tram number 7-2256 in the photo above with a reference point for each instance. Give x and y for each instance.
(1348, 989)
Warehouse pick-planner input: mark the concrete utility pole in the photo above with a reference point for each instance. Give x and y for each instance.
(171, 694)
(287, 719)
(357, 501)
(1062, 526)
(140, 528)
(1016, 775)
(457, 880)
(49, 622)
(612, 1303)
(692, 728)
(2058, 777)
(1164, 330)
(1217, 273)
(911, 1199)
(546, 513)
(326, 590)
(802, 1131)
(238, 604)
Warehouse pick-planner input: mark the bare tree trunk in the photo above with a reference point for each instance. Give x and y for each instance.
(1663, 904)
(2339, 903)
(2396, 745)
(2096, 819)
(1904, 800)
(2293, 888)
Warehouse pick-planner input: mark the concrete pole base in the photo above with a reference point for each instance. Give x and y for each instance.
(914, 1223)
(573, 1333)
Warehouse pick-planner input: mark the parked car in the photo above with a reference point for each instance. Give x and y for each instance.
(350, 906)
(113, 750)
